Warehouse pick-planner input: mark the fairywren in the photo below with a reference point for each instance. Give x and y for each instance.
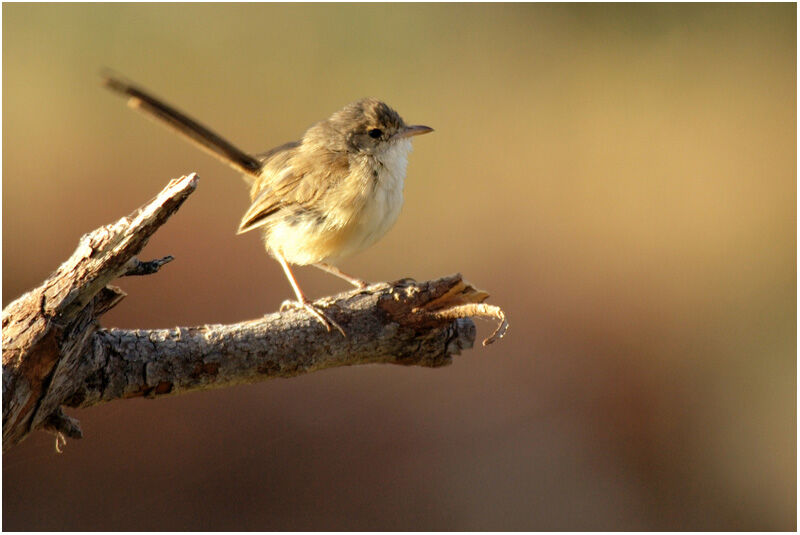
(318, 200)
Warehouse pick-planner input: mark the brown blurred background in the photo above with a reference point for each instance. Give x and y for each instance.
(621, 179)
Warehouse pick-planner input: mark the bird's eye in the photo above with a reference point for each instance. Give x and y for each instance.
(375, 133)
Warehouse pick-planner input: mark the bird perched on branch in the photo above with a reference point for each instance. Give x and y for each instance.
(318, 200)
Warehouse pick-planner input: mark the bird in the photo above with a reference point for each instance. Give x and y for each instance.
(318, 200)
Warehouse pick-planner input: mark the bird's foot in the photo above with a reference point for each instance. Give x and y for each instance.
(315, 311)
(360, 284)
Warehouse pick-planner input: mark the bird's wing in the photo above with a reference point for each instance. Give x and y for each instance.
(292, 180)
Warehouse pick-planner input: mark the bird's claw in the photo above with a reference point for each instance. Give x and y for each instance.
(314, 311)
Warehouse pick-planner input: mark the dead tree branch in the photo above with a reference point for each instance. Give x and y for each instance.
(56, 354)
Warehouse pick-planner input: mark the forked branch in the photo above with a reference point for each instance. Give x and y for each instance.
(56, 354)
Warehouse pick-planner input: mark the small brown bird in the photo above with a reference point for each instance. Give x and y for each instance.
(317, 200)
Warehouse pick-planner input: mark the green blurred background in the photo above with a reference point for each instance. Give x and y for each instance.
(621, 179)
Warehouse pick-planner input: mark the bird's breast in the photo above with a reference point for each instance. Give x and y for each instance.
(382, 206)
(356, 216)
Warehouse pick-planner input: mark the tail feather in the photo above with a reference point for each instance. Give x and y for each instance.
(184, 125)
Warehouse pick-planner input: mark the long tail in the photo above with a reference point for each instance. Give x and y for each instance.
(195, 132)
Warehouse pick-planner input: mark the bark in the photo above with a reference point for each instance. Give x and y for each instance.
(56, 354)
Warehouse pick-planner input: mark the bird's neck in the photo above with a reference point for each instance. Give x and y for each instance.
(390, 163)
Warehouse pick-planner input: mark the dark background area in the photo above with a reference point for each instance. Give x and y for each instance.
(621, 179)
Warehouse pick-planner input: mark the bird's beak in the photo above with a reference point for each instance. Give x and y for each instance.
(414, 130)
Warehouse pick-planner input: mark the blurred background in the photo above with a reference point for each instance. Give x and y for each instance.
(620, 178)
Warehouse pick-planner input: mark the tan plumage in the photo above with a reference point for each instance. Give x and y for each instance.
(325, 197)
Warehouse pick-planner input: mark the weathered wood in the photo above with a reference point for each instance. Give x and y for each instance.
(46, 330)
(380, 326)
(55, 353)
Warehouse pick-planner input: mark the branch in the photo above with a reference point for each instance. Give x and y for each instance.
(56, 354)
(379, 322)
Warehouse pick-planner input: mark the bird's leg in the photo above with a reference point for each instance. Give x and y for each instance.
(333, 270)
(302, 301)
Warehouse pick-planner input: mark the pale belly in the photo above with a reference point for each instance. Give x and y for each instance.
(345, 230)
(308, 242)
